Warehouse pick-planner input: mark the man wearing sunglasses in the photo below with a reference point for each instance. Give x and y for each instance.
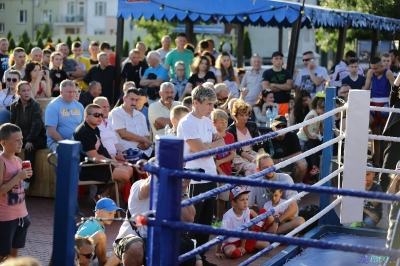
(311, 78)
(284, 147)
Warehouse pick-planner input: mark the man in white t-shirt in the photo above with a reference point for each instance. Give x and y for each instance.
(200, 134)
(285, 223)
(312, 78)
(165, 48)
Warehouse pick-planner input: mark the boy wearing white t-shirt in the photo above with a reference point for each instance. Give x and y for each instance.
(239, 214)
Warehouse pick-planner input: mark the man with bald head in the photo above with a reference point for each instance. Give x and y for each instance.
(252, 80)
(36, 54)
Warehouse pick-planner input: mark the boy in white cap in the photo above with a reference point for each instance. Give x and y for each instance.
(239, 214)
(105, 208)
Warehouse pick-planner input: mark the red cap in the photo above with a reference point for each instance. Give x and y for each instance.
(236, 191)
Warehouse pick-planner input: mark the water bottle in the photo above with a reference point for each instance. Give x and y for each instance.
(269, 118)
(274, 112)
(167, 129)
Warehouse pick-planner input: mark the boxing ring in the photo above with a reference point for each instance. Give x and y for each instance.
(329, 242)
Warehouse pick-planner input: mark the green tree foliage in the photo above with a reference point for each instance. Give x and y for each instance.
(58, 40)
(9, 35)
(38, 34)
(11, 44)
(45, 30)
(40, 42)
(247, 52)
(21, 43)
(49, 40)
(29, 47)
(69, 42)
(77, 39)
(25, 37)
(155, 30)
(125, 49)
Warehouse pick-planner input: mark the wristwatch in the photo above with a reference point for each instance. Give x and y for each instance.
(277, 220)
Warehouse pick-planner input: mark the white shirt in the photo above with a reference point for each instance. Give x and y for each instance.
(191, 127)
(303, 80)
(253, 82)
(135, 124)
(268, 206)
(108, 136)
(157, 110)
(340, 72)
(135, 206)
(163, 54)
(231, 221)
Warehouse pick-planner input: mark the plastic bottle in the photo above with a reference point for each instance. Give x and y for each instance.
(274, 112)
(167, 129)
(287, 119)
(269, 117)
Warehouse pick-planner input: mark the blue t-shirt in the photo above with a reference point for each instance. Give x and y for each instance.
(89, 227)
(354, 84)
(160, 71)
(66, 117)
(145, 112)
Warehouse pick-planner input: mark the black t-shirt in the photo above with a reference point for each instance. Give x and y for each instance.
(94, 62)
(86, 98)
(4, 65)
(395, 69)
(367, 204)
(134, 73)
(196, 81)
(278, 77)
(57, 76)
(282, 148)
(355, 85)
(90, 140)
(106, 77)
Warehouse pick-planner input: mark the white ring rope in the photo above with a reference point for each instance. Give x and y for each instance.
(385, 109)
(385, 138)
(382, 170)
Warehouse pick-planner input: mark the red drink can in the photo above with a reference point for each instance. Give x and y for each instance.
(26, 164)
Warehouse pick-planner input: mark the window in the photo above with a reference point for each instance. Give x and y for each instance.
(2, 6)
(71, 8)
(100, 9)
(22, 16)
(99, 32)
(1, 27)
(71, 31)
(46, 16)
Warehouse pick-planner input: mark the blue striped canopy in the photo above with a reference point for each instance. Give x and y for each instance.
(252, 12)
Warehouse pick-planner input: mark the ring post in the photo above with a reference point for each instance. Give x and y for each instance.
(65, 206)
(355, 154)
(324, 200)
(165, 241)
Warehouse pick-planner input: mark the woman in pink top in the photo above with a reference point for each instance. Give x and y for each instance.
(14, 219)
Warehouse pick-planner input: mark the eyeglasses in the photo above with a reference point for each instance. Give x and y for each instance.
(78, 91)
(97, 115)
(307, 59)
(280, 126)
(88, 256)
(12, 79)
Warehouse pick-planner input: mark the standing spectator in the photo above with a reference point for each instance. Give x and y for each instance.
(8, 95)
(312, 78)
(19, 58)
(46, 59)
(94, 91)
(342, 70)
(82, 61)
(34, 74)
(265, 101)
(14, 218)
(200, 134)
(26, 113)
(227, 74)
(106, 48)
(142, 48)
(252, 80)
(180, 80)
(179, 54)
(211, 58)
(94, 51)
(211, 48)
(57, 75)
(395, 66)
(70, 66)
(105, 74)
(386, 60)
(160, 111)
(63, 115)
(301, 107)
(165, 48)
(223, 96)
(154, 76)
(130, 124)
(280, 81)
(3, 56)
(354, 80)
(133, 70)
(36, 54)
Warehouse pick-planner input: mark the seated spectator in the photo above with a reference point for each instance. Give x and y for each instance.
(141, 106)
(180, 80)
(177, 113)
(46, 59)
(188, 102)
(84, 248)
(127, 85)
(344, 91)
(354, 80)
(339, 121)
(89, 136)
(133, 70)
(27, 114)
(159, 112)
(94, 91)
(211, 58)
(105, 208)
(78, 93)
(57, 75)
(301, 107)
(8, 95)
(241, 72)
(223, 96)
(284, 147)
(227, 74)
(34, 75)
(265, 101)
(154, 76)
(242, 130)
(23, 261)
(63, 115)
(130, 124)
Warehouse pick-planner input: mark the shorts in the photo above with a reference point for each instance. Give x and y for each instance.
(291, 167)
(283, 109)
(99, 173)
(249, 246)
(223, 195)
(379, 120)
(13, 234)
(123, 244)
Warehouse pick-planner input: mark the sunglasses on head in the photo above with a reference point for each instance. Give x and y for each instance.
(266, 92)
(280, 126)
(97, 115)
(12, 79)
(88, 256)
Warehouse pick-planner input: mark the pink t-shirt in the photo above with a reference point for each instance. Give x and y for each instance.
(242, 137)
(12, 204)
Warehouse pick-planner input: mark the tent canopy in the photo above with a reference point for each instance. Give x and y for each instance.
(252, 12)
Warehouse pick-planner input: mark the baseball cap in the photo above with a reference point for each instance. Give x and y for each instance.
(236, 191)
(108, 205)
(279, 119)
(142, 92)
(277, 53)
(269, 192)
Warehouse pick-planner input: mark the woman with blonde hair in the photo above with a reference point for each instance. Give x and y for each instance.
(84, 246)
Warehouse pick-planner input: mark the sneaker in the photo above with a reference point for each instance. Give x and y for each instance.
(216, 224)
(97, 198)
(357, 224)
(314, 171)
(26, 185)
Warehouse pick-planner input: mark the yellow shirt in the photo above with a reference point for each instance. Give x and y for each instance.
(85, 64)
